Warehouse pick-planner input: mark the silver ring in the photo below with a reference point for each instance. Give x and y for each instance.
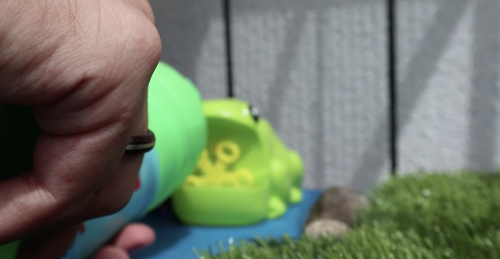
(139, 147)
(142, 143)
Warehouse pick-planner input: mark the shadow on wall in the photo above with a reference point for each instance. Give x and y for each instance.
(484, 98)
(414, 82)
(321, 72)
(482, 120)
(183, 25)
(281, 80)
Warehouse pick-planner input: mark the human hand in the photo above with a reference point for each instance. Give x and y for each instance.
(130, 239)
(84, 67)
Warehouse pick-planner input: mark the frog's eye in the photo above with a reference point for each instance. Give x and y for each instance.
(254, 112)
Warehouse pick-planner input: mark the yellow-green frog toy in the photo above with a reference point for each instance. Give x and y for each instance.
(245, 174)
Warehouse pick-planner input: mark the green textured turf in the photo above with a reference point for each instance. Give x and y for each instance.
(418, 216)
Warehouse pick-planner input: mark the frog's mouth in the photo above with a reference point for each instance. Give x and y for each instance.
(233, 157)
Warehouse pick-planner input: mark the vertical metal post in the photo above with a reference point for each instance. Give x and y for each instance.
(392, 79)
(228, 41)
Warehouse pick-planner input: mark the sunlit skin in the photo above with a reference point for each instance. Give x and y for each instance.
(84, 67)
(132, 238)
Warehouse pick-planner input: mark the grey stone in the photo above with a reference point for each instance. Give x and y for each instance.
(322, 227)
(338, 203)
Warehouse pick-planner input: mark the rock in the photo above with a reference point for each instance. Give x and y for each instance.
(338, 203)
(321, 227)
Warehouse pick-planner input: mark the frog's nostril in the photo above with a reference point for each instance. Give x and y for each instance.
(254, 112)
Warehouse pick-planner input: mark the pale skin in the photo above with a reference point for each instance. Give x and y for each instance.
(132, 237)
(84, 67)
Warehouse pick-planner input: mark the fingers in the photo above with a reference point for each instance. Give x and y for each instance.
(85, 137)
(119, 186)
(50, 245)
(67, 172)
(101, 85)
(134, 236)
(117, 191)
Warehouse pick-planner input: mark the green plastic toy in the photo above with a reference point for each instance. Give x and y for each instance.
(245, 174)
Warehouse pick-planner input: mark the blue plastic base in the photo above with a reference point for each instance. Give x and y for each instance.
(175, 240)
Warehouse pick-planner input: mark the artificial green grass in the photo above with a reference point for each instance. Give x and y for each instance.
(430, 216)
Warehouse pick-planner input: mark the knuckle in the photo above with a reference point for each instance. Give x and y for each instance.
(126, 118)
(146, 43)
(140, 32)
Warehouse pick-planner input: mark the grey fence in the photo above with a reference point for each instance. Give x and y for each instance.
(359, 88)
